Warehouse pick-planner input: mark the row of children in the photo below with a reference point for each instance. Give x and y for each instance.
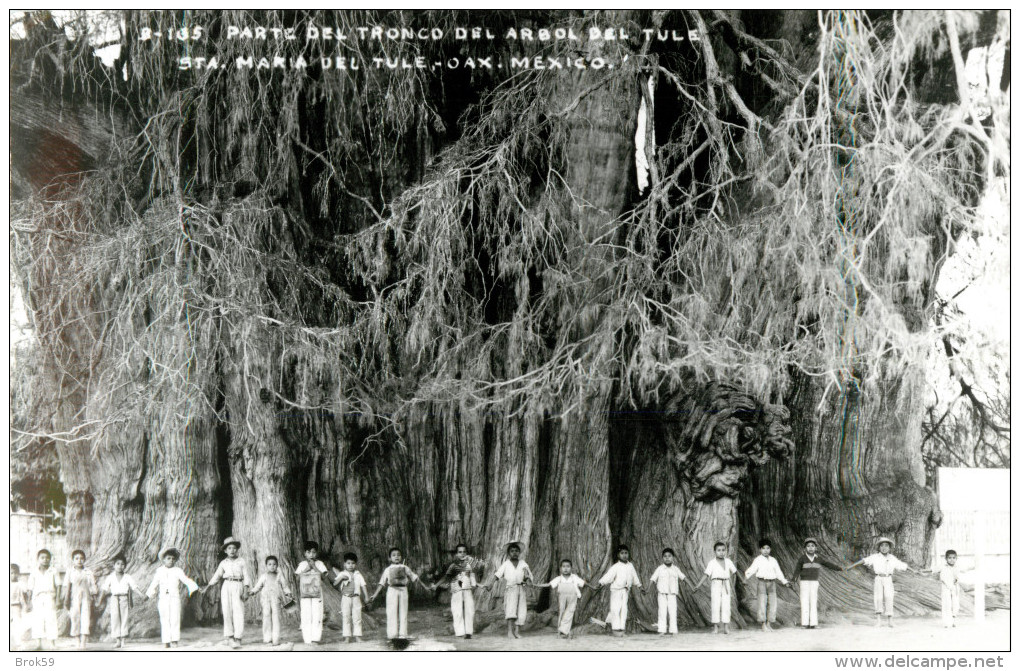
(79, 589)
(720, 571)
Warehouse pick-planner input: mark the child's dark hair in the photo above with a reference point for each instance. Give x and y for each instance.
(78, 552)
(669, 550)
(566, 561)
(513, 546)
(621, 547)
(718, 544)
(392, 550)
(311, 545)
(951, 552)
(272, 558)
(15, 568)
(459, 546)
(42, 552)
(118, 558)
(350, 556)
(763, 542)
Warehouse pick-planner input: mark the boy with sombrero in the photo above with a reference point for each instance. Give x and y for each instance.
(884, 564)
(516, 573)
(167, 584)
(807, 569)
(233, 571)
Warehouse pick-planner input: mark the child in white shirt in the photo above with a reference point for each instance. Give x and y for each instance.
(274, 590)
(353, 595)
(309, 573)
(621, 578)
(568, 591)
(167, 583)
(720, 571)
(119, 586)
(768, 572)
(884, 564)
(666, 579)
(396, 579)
(516, 573)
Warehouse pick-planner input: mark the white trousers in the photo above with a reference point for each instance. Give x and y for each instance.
(884, 595)
(950, 604)
(233, 608)
(515, 603)
(169, 608)
(271, 616)
(667, 613)
(120, 611)
(396, 612)
(350, 612)
(311, 619)
(462, 604)
(568, 604)
(617, 616)
(809, 603)
(44, 616)
(720, 602)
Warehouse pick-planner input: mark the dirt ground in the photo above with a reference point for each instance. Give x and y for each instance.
(429, 629)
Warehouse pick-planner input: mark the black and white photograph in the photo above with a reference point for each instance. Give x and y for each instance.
(510, 331)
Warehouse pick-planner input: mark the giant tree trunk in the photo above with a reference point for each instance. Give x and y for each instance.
(685, 471)
(855, 474)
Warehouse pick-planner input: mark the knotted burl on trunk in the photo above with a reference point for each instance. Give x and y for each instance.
(717, 434)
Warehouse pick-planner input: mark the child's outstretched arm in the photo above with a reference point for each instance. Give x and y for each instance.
(700, 581)
(854, 565)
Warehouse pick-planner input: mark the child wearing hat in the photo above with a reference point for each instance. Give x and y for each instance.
(41, 595)
(273, 591)
(79, 591)
(516, 573)
(620, 577)
(884, 564)
(720, 571)
(568, 592)
(666, 579)
(766, 569)
(396, 579)
(460, 576)
(233, 571)
(119, 587)
(167, 584)
(806, 570)
(309, 573)
(353, 594)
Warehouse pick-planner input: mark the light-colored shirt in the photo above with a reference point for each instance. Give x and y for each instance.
(514, 575)
(766, 568)
(949, 575)
(232, 569)
(884, 565)
(80, 581)
(350, 582)
(17, 593)
(621, 576)
(270, 586)
(167, 582)
(120, 586)
(570, 584)
(717, 571)
(40, 582)
(667, 579)
(305, 567)
(387, 576)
